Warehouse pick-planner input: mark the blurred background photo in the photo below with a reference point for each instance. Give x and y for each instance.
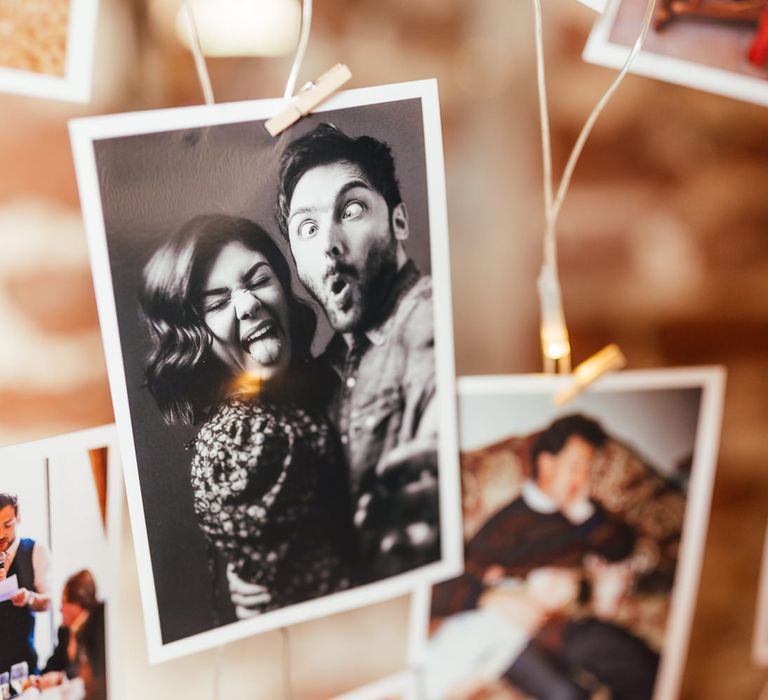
(56, 497)
(576, 529)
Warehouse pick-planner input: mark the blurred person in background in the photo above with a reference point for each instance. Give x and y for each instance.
(80, 648)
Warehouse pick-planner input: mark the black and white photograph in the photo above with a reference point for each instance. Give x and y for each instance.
(720, 46)
(584, 529)
(277, 327)
(60, 515)
(47, 48)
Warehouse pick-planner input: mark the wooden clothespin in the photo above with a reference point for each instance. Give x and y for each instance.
(311, 95)
(608, 359)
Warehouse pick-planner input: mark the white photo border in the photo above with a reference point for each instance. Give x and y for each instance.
(402, 683)
(600, 50)
(596, 5)
(83, 133)
(75, 84)
(711, 381)
(83, 440)
(760, 638)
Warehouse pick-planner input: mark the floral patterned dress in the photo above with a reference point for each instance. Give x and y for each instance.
(271, 494)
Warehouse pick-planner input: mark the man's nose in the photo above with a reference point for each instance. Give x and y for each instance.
(335, 240)
(246, 303)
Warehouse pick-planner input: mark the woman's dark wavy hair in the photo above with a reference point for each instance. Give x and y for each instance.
(182, 372)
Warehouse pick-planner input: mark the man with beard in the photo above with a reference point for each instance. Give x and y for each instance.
(29, 562)
(339, 206)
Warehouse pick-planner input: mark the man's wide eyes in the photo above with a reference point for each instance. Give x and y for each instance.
(352, 211)
(307, 229)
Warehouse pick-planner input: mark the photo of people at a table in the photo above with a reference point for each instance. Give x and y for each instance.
(53, 575)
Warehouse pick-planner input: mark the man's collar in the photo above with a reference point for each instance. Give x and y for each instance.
(10, 553)
(537, 500)
(405, 278)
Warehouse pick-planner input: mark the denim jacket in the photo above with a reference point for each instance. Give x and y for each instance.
(385, 396)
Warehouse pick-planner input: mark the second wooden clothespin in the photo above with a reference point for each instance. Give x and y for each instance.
(610, 358)
(308, 98)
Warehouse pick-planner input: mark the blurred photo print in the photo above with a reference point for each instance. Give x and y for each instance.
(60, 503)
(277, 326)
(720, 46)
(584, 528)
(47, 48)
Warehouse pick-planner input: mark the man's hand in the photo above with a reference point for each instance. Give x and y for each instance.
(399, 510)
(408, 460)
(3, 574)
(248, 598)
(48, 680)
(21, 598)
(517, 605)
(610, 583)
(493, 574)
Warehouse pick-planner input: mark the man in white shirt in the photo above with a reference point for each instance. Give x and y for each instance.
(29, 562)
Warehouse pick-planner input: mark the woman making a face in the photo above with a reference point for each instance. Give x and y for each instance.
(231, 349)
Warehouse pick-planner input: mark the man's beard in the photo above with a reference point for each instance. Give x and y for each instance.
(368, 289)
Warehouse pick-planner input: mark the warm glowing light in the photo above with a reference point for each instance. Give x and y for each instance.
(554, 339)
(557, 349)
(242, 27)
(247, 384)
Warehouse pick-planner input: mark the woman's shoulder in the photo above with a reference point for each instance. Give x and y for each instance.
(248, 422)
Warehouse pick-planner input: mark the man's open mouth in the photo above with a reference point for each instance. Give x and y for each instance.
(338, 286)
(339, 289)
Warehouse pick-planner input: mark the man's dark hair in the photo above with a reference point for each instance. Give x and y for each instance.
(80, 589)
(325, 145)
(9, 499)
(553, 438)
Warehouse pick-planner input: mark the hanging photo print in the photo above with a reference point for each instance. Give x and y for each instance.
(584, 528)
(47, 48)
(720, 47)
(277, 324)
(60, 516)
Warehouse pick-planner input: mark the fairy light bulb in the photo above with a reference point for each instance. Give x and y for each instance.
(555, 344)
(241, 27)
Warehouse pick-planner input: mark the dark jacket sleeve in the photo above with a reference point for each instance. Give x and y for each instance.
(59, 661)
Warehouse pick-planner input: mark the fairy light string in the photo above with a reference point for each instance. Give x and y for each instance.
(555, 342)
(301, 48)
(197, 52)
